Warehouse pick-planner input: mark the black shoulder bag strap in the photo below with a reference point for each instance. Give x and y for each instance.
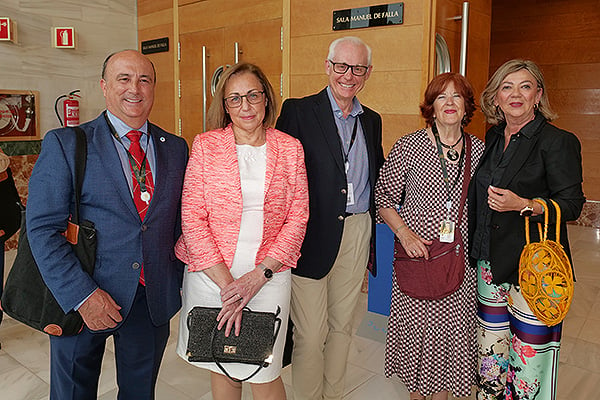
(80, 161)
(84, 244)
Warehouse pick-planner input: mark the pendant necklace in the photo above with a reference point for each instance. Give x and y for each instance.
(140, 174)
(452, 153)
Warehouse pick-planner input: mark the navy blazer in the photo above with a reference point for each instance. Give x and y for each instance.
(124, 241)
(547, 165)
(311, 120)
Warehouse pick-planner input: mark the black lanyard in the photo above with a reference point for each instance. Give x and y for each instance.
(352, 139)
(438, 143)
(140, 175)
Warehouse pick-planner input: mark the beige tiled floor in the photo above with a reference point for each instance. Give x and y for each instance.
(24, 371)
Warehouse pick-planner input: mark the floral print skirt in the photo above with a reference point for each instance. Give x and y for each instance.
(518, 354)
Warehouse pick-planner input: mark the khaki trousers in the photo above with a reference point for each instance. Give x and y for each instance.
(322, 310)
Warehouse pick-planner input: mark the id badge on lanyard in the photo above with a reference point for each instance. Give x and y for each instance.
(447, 227)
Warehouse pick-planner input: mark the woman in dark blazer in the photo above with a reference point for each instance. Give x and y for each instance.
(525, 158)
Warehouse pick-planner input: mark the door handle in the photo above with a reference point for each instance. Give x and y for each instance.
(442, 55)
(216, 77)
(464, 32)
(236, 49)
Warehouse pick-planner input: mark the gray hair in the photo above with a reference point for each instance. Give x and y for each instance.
(351, 39)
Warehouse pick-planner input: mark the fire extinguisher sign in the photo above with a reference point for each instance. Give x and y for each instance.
(6, 33)
(63, 37)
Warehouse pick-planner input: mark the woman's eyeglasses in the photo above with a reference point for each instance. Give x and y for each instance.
(253, 97)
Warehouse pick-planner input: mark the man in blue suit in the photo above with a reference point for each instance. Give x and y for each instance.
(135, 288)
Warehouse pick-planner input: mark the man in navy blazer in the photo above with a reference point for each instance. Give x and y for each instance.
(343, 155)
(114, 301)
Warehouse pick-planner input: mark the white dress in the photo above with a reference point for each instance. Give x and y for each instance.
(200, 290)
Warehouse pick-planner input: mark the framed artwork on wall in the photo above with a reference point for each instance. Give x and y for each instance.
(19, 115)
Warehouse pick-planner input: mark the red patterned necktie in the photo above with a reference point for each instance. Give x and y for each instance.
(138, 155)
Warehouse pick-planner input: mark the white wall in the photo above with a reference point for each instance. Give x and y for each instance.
(102, 27)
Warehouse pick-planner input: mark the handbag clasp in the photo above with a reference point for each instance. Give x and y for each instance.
(229, 349)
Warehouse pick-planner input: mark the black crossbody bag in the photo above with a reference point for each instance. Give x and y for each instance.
(26, 297)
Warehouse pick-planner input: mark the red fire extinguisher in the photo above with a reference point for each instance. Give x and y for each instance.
(70, 109)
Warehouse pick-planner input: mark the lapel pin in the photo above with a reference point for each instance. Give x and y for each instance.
(162, 138)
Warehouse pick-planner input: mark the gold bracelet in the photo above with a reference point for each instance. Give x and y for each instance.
(400, 227)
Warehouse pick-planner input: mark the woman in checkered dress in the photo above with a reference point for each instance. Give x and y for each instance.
(431, 344)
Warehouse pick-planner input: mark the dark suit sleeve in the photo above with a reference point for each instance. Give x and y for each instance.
(378, 140)
(178, 230)
(288, 121)
(48, 209)
(564, 176)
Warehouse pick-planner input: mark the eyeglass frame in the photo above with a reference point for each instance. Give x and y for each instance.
(262, 93)
(348, 66)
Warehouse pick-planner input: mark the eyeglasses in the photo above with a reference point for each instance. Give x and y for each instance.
(341, 68)
(253, 97)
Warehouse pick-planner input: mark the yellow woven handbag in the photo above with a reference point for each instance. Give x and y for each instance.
(545, 273)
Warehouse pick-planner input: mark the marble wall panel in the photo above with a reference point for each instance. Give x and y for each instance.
(590, 215)
(21, 167)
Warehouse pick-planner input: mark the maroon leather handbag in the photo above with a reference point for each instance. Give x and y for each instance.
(431, 279)
(444, 272)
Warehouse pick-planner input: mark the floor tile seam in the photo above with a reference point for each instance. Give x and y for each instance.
(359, 386)
(28, 369)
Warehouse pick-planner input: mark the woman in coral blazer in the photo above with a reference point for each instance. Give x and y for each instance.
(244, 214)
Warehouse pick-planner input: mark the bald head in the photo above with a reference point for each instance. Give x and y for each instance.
(128, 80)
(107, 59)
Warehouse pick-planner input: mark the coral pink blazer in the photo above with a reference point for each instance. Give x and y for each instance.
(212, 201)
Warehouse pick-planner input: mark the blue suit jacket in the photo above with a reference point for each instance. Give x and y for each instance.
(124, 241)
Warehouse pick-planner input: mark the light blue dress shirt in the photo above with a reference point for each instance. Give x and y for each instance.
(358, 158)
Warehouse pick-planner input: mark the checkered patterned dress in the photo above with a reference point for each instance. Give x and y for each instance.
(431, 344)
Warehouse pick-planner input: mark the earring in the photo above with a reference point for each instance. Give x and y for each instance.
(536, 106)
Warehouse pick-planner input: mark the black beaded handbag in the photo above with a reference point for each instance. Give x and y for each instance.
(254, 345)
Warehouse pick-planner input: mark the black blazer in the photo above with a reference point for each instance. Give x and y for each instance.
(547, 165)
(311, 120)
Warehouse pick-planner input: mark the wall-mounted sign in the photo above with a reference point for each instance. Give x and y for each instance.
(155, 46)
(19, 115)
(7, 29)
(63, 37)
(366, 17)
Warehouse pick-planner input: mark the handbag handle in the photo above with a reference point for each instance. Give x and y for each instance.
(261, 366)
(544, 235)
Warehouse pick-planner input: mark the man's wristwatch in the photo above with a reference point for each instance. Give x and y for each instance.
(267, 271)
(527, 211)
